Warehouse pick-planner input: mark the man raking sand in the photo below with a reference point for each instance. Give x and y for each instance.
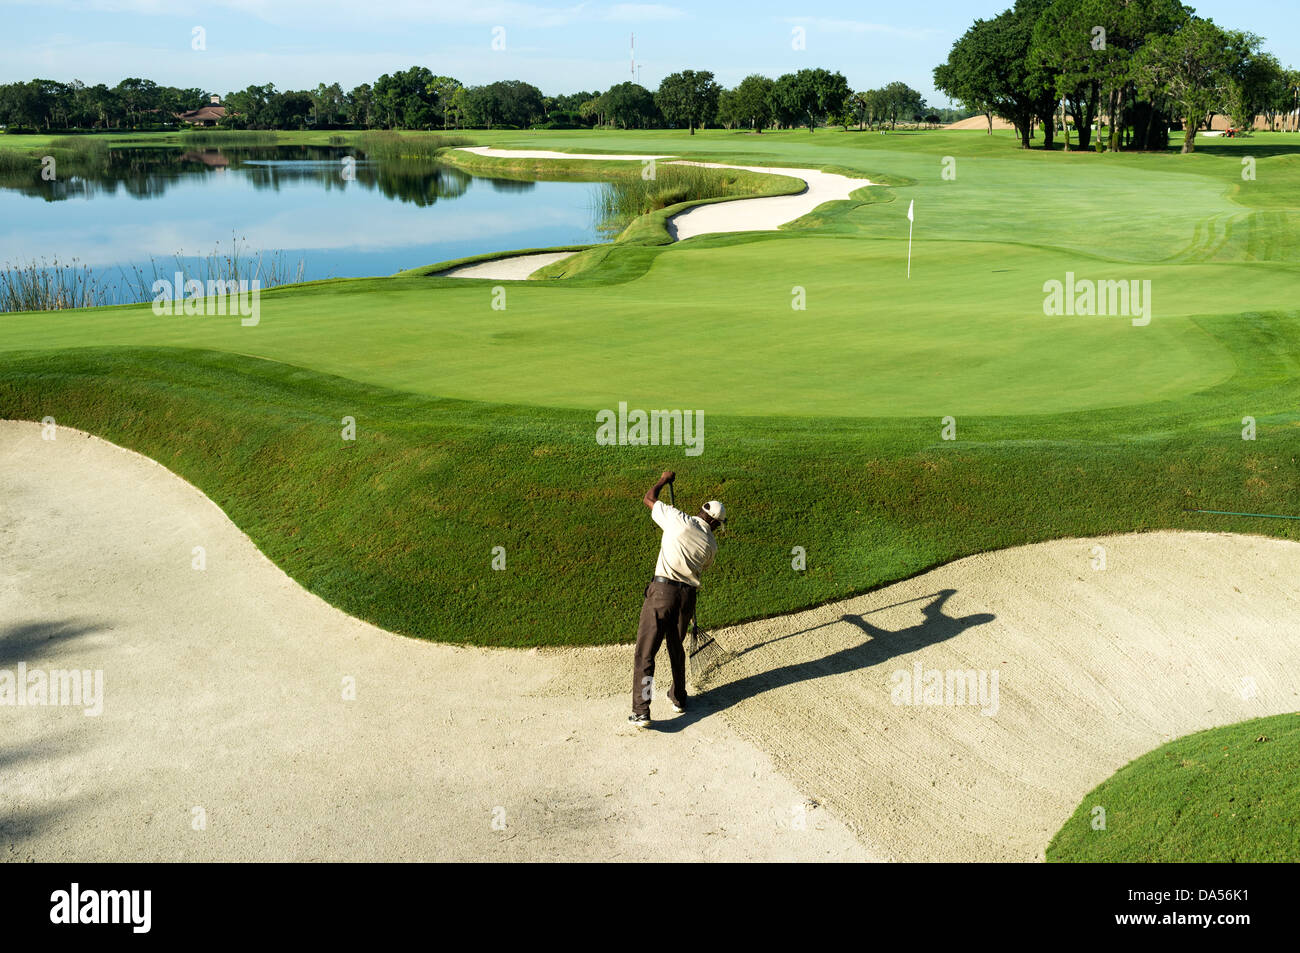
(688, 547)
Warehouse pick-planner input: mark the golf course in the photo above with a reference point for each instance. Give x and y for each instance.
(886, 426)
(823, 425)
(365, 434)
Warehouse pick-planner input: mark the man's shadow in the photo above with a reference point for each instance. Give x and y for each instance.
(881, 646)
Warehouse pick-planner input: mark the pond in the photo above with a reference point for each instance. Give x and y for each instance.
(333, 210)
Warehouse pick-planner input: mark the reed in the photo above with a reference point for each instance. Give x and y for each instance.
(49, 286)
(624, 199)
(386, 144)
(229, 137)
(41, 285)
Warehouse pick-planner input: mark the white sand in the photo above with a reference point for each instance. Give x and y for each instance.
(763, 214)
(224, 692)
(1180, 632)
(737, 215)
(516, 268)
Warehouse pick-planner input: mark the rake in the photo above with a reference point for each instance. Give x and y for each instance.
(1266, 516)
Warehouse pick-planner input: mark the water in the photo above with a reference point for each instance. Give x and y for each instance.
(142, 207)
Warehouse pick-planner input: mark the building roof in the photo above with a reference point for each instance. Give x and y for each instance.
(203, 114)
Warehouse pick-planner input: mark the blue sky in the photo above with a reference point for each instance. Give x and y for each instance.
(561, 47)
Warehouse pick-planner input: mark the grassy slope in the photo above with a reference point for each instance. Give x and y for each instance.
(1222, 795)
(399, 526)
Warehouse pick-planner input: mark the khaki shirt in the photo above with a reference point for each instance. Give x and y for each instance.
(688, 545)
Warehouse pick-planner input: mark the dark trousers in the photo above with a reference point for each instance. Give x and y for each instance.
(665, 616)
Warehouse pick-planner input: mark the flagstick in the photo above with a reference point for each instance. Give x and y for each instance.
(911, 220)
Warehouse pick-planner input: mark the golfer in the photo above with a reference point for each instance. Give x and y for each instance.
(687, 549)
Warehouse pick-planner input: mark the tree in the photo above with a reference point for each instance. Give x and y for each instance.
(900, 101)
(138, 96)
(630, 105)
(252, 108)
(869, 106)
(1290, 99)
(590, 110)
(25, 104)
(290, 109)
(688, 98)
(405, 100)
(1064, 46)
(1130, 26)
(503, 103)
(811, 95)
(726, 115)
(359, 106)
(1193, 68)
(1277, 101)
(751, 102)
(1253, 84)
(962, 76)
(989, 68)
(443, 89)
(327, 104)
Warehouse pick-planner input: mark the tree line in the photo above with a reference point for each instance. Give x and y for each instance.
(1140, 68)
(416, 98)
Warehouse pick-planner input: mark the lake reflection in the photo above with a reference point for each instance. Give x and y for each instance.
(342, 214)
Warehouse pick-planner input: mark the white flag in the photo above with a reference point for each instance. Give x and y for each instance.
(911, 205)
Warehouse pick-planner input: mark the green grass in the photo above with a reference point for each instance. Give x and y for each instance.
(966, 338)
(228, 137)
(822, 426)
(1223, 795)
(389, 145)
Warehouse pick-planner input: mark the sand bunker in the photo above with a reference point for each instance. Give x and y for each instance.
(739, 215)
(515, 268)
(1093, 667)
(224, 694)
(225, 699)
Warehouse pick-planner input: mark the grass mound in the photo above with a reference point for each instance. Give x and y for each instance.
(1227, 794)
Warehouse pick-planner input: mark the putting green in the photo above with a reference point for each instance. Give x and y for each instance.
(709, 324)
(714, 328)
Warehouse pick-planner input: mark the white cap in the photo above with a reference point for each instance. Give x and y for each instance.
(716, 510)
